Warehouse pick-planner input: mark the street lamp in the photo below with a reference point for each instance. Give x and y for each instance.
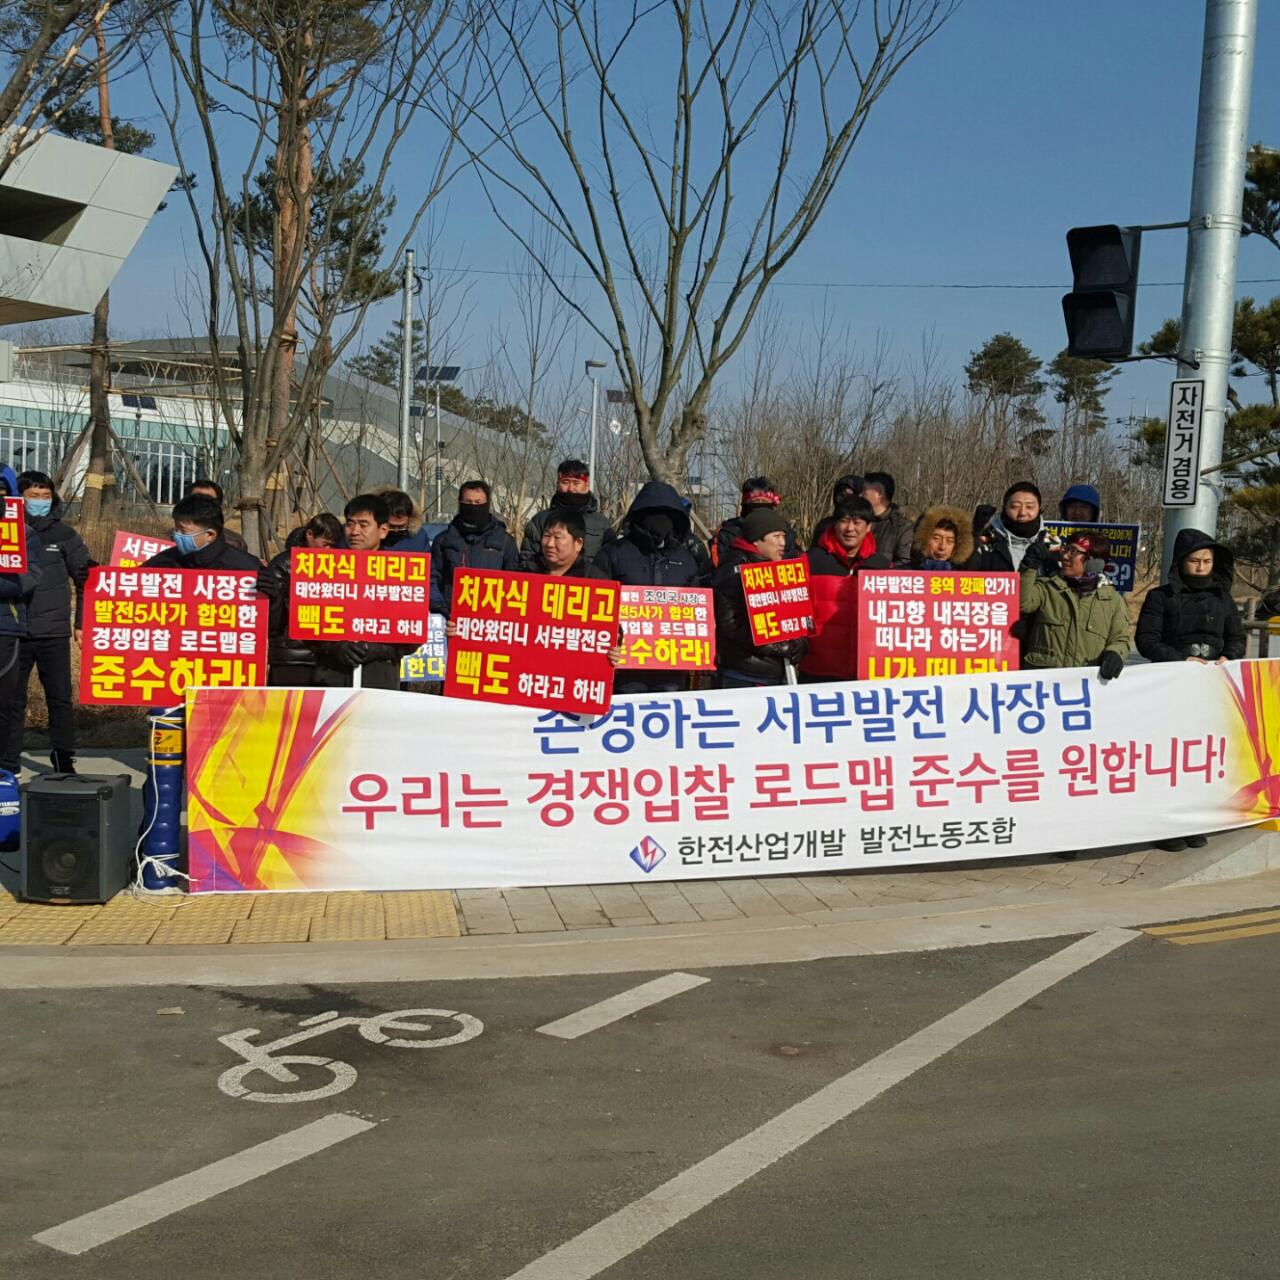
(435, 374)
(595, 409)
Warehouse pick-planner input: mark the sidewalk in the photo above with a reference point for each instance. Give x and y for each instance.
(811, 899)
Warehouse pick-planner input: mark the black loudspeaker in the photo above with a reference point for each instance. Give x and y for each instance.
(77, 842)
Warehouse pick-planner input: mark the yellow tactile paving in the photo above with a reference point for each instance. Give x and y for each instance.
(350, 922)
(45, 926)
(121, 926)
(194, 929)
(219, 919)
(420, 914)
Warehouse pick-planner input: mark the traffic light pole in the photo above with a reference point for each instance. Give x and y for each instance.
(1213, 239)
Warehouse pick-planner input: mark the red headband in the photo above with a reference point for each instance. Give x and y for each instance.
(575, 475)
(763, 495)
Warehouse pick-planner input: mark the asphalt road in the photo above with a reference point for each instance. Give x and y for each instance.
(1121, 1122)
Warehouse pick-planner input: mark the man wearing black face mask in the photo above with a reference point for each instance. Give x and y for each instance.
(573, 494)
(653, 552)
(474, 539)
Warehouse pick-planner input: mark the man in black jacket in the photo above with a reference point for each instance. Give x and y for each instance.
(573, 496)
(758, 494)
(474, 539)
(653, 552)
(21, 595)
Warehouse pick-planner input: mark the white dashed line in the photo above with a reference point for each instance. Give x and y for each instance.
(92, 1229)
(622, 1005)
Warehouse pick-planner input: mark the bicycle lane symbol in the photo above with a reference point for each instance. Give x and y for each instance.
(342, 1075)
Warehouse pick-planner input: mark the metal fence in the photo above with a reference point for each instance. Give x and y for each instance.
(32, 448)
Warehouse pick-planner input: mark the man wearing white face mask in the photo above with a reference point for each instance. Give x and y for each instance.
(64, 562)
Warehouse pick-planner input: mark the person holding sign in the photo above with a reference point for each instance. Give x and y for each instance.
(65, 563)
(16, 590)
(740, 662)
(846, 546)
(1077, 619)
(330, 663)
(474, 539)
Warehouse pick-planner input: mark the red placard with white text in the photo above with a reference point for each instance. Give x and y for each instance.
(913, 623)
(383, 597)
(668, 629)
(777, 595)
(13, 537)
(152, 634)
(532, 640)
(132, 549)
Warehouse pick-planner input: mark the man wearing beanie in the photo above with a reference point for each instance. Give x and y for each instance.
(1010, 533)
(573, 495)
(740, 662)
(758, 494)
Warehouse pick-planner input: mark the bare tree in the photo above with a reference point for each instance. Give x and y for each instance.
(324, 94)
(43, 42)
(684, 214)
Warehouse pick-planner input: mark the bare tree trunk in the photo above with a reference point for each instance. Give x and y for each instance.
(96, 505)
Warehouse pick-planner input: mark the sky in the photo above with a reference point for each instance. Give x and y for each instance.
(1019, 120)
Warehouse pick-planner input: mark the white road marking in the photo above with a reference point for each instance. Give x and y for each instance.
(622, 1005)
(635, 1225)
(102, 1225)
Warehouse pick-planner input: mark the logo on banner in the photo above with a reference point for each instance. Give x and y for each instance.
(647, 854)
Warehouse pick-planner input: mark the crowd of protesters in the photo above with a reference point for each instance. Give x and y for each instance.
(1071, 614)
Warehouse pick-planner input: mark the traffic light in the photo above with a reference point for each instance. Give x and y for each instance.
(1100, 308)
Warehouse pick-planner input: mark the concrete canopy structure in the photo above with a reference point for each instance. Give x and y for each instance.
(70, 213)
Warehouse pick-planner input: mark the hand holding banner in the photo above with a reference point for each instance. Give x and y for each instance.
(381, 597)
(531, 640)
(668, 629)
(777, 595)
(151, 634)
(13, 537)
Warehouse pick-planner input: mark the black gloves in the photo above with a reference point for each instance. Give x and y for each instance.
(269, 583)
(1039, 557)
(1110, 665)
(350, 653)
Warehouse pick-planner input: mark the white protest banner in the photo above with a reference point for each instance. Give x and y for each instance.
(366, 789)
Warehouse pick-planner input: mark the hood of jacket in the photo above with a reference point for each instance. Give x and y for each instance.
(1082, 493)
(928, 522)
(10, 477)
(657, 496)
(1190, 541)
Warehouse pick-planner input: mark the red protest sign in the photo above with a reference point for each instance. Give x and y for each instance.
(132, 549)
(533, 641)
(13, 537)
(777, 595)
(379, 596)
(935, 624)
(152, 634)
(667, 628)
